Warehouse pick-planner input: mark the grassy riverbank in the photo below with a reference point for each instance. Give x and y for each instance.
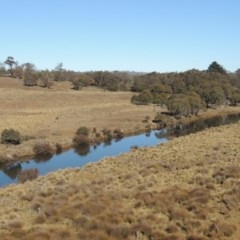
(53, 115)
(187, 188)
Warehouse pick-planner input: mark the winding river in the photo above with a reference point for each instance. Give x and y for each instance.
(81, 156)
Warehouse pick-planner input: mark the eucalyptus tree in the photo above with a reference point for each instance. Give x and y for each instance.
(10, 62)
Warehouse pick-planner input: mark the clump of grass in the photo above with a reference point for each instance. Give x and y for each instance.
(42, 148)
(28, 174)
(15, 224)
(118, 133)
(58, 147)
(81, 140)
(41, 218)
(107, 134)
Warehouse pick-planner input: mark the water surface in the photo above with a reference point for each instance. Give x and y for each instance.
(79, 157)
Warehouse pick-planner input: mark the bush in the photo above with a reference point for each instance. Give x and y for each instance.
(118, 133)
(107, 135)
(11, 136)
(28, 174)
(42, 148)
(81, 136)
(80, 139)
(58, 148)
(83, 131)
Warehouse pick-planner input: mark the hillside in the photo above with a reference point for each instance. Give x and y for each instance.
(187, 188)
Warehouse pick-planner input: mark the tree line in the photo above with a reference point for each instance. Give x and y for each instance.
(184, 93)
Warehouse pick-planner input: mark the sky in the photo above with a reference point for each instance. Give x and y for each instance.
(121, 35)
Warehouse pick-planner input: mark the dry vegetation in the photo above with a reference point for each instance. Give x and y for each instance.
(187, 188)
(55, 114)
(52, 116)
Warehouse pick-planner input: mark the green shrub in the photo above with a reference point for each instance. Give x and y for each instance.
(11, 136)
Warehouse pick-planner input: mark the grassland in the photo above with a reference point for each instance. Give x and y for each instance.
(53, 115)
(187, 188)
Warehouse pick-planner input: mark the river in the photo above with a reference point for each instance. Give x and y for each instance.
(81, 156)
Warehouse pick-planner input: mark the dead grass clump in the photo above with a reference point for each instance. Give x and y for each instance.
(107, 135)
(59, 148)
(154, 199)
(227, 229)
(40, 234)
(19, 233)
(14, 224)
(64, 234)
(118, 133)
(179, 196)
(41, 218)
(49, 211)
(178, 214)
(200, 195)
(42, 148)
(93, 207)
(27, 197)
(143, 230)
(173, 237)
(28, 174)
(195, 237)
(172, 228)
(219, 230)
(80, 221)
(80, 139)
(119, 232)
(224, 173)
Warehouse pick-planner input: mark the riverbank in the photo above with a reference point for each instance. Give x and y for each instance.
(187, 188)
(53, 115)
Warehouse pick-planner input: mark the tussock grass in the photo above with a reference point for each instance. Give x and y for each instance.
(166, 192)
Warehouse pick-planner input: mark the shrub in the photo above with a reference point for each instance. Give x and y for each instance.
(83, 131)
(11, 136)
(118, 133)
(80, 139)
(107, 135)
(58, 148)
(144, 98)
(42, 148)
(28, 174)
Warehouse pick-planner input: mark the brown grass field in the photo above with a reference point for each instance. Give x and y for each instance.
(185, 189)
(55, 114)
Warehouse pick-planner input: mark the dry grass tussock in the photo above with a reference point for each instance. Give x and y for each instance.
(184, 189)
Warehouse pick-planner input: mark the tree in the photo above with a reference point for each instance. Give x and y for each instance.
(10, 62)
(46, 79)
(2, 69)
(59, 72)
(30, 78)
(18, 71)
(215, 67)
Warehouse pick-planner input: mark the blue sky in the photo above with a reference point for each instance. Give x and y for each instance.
(131, 35)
